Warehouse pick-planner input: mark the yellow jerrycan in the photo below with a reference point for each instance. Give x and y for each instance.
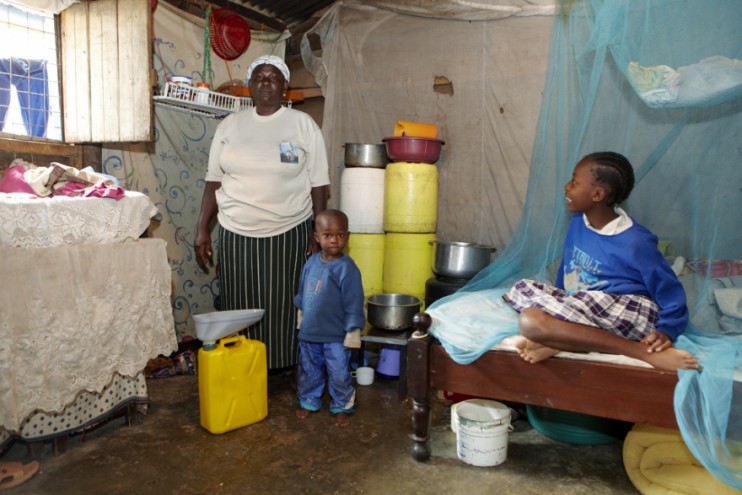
(232, 383)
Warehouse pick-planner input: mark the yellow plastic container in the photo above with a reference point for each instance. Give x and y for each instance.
(407, 263)
(415, 129)
(232, 384)
(367, 250)
(410, 198)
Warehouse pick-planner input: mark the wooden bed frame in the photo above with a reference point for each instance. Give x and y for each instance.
(626, 393)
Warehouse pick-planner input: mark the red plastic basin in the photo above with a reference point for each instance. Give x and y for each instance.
(413, 149)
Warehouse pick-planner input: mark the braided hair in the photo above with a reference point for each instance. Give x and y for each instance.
(614, 172)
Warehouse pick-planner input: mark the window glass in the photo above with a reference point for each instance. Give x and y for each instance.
(29, 80)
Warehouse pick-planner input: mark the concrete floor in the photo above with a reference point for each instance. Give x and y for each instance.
(168, 452)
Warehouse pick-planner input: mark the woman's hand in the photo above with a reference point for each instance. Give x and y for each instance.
(202, 242)
(657, 342)
(312, 245)
(202, 246)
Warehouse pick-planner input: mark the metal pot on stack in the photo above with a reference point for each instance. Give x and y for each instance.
(365, 155)
(460, 260)
(453, 264)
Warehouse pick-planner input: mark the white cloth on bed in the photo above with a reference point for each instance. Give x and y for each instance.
(32, 222)
(477, 322)
(473, 323)
(72, 316)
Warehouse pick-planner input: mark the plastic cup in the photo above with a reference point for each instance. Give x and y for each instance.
(364, 375)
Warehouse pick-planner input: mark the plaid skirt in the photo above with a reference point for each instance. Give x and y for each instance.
(627, 315)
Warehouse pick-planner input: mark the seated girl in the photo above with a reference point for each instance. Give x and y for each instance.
(615, 293)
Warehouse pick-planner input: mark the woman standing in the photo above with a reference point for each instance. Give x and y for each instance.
(267, 178)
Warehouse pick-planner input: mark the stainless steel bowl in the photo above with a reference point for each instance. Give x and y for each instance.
(392, 311)
(365, 155)
(460, 260)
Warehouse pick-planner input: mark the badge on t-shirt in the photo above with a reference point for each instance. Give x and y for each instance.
(289, 152)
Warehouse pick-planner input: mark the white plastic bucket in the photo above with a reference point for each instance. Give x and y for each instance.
(482, 428)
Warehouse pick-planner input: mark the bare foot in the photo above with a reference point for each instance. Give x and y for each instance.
(342, 419)
(673, 359)
(533, 352)
(302, 413)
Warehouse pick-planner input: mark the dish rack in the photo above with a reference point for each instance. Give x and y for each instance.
(188, 99)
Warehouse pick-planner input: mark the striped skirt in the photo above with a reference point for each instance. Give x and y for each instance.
(264, 273)
(627, 315)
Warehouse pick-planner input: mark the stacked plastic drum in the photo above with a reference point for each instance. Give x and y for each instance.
(410, 208)
(362, 199)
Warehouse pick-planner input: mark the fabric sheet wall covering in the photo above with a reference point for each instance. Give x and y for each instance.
(171, 169)
(378, 66)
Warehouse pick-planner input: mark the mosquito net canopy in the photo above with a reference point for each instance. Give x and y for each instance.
(661, 83)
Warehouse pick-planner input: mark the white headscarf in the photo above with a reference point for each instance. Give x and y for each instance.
(276, 62)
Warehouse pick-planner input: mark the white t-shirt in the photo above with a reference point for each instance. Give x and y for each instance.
(267, 166)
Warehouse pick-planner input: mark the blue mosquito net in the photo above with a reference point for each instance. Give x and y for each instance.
(661, 83)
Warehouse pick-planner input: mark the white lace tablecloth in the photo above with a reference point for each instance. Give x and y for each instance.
(30, 221)
(74, 315)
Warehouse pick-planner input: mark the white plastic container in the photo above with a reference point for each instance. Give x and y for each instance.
(202, 93)
(183, 87)
(362, 199)
(482, 428)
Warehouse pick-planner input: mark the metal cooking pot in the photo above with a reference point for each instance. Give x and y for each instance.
(461, 260)
(392, 311)
(365, 155)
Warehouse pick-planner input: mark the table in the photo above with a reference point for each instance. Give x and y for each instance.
(74, 316)
(392, 337)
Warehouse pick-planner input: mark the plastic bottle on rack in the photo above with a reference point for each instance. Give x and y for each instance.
(202, 93)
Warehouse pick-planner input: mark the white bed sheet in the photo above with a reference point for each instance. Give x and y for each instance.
(29, 221)
(508, 344)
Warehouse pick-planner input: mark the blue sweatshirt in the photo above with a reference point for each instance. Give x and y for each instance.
(625, 263)
(330, 298)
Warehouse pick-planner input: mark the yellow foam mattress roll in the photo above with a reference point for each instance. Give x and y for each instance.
(658, 462)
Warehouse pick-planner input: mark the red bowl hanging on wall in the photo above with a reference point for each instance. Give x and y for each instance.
(230, 33)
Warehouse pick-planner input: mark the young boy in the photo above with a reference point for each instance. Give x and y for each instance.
(331, 301)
